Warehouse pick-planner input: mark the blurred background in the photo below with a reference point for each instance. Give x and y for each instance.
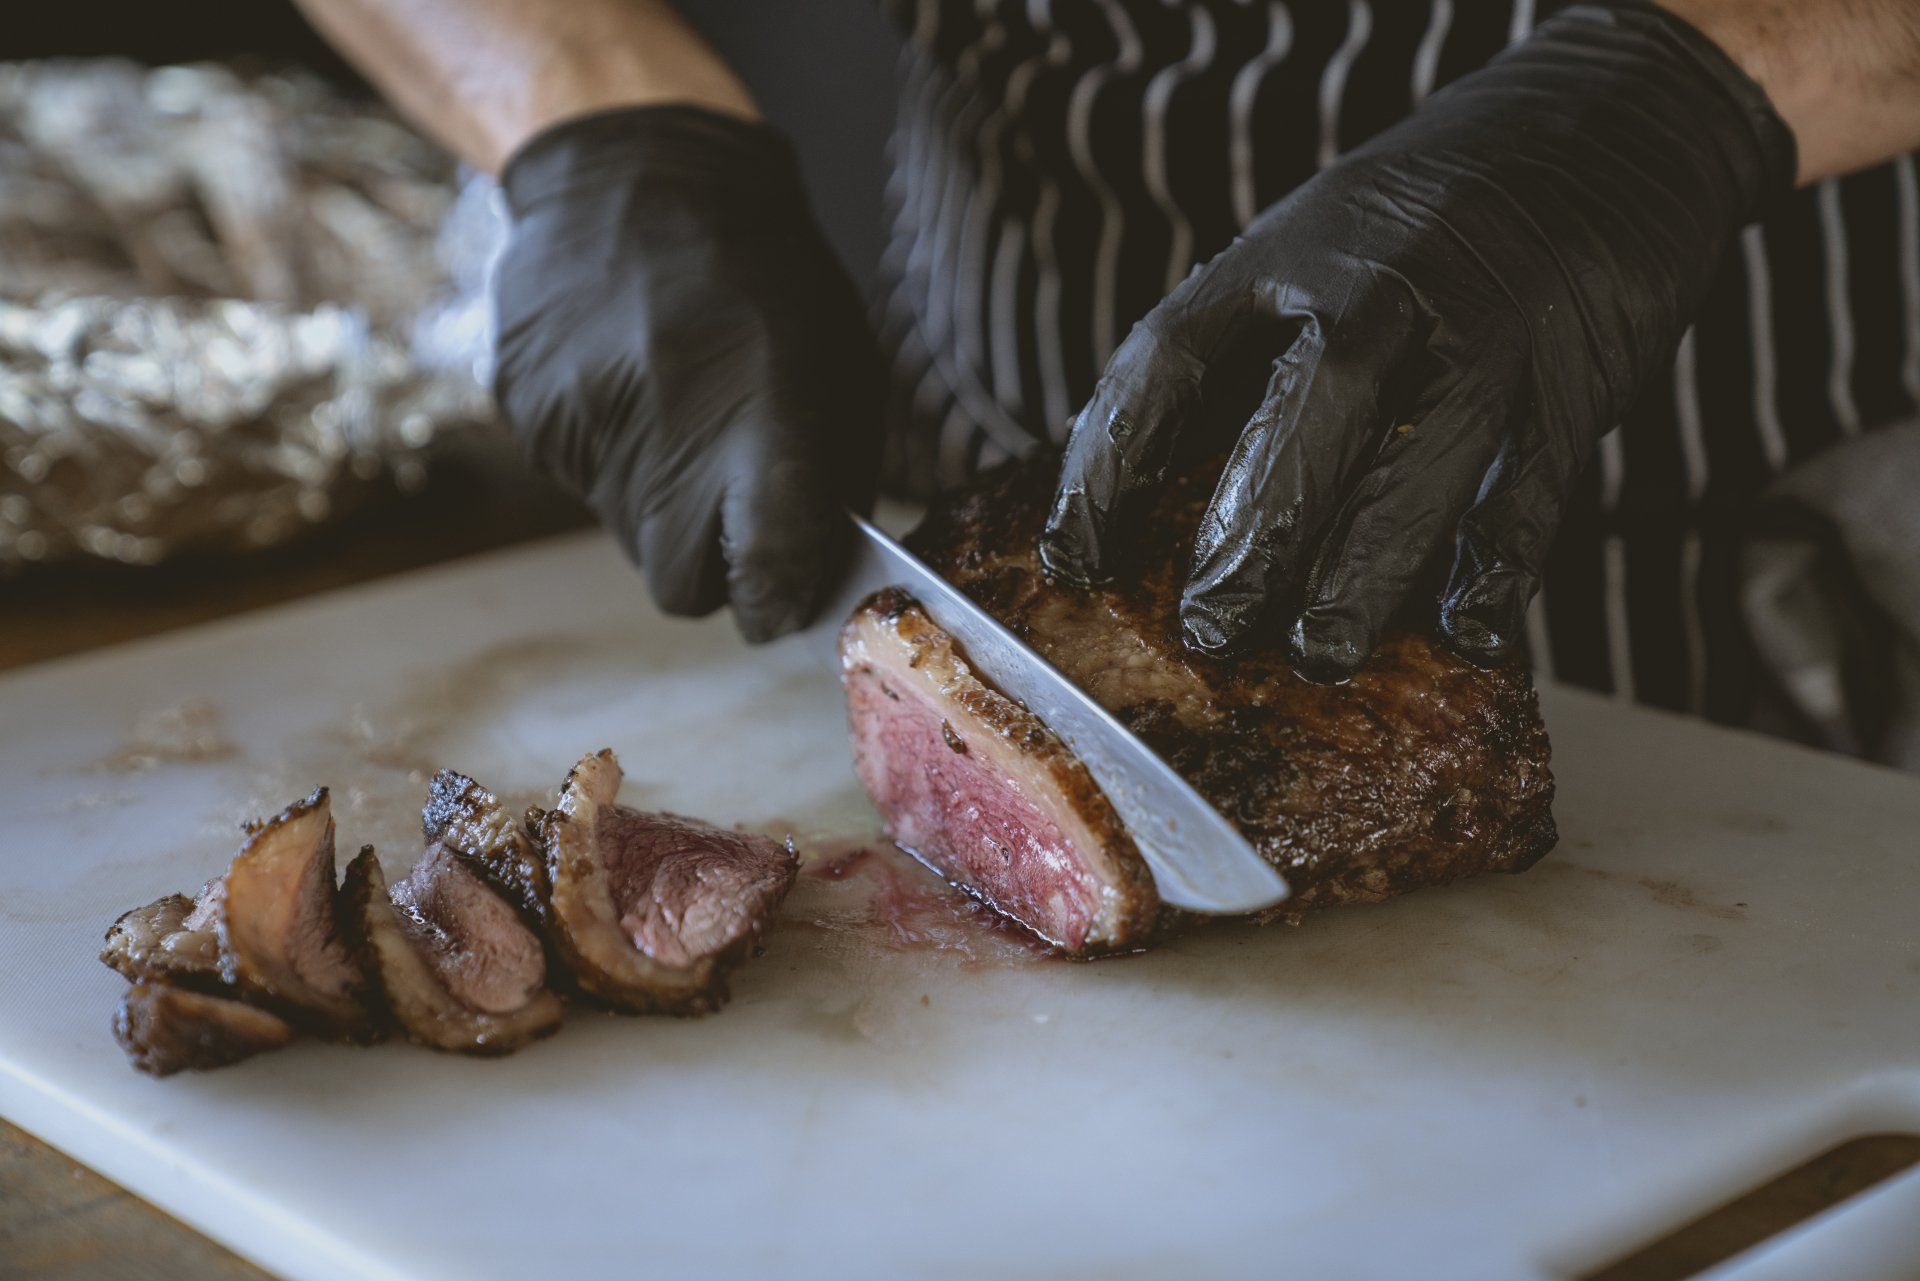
(242, 318)
(840, 121)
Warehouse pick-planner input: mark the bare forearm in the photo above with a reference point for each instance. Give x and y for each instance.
(1843, 74)
(483, 76)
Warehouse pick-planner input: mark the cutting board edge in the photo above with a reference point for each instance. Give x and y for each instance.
(220, 1208)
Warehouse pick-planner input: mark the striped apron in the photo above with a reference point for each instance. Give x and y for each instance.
(1058, 165)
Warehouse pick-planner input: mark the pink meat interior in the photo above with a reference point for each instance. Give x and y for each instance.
(686, 890)
(474, 942)
(970, 810)
(314, 949)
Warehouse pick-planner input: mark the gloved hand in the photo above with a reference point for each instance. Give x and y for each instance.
(678, 343)
(1460, 309)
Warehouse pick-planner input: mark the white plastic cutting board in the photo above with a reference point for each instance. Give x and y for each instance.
(1715, 975)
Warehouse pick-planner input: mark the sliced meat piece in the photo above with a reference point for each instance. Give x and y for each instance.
(277, 921)
(165, 1029)
(470, 820)
(651, 911)
(973, 784)
(1420, 770)
(452, 961)
(173, 939)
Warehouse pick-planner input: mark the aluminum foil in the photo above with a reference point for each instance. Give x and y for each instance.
(227, 304)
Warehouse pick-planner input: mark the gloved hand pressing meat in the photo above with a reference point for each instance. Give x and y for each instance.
(678, 343)
(1459, 310)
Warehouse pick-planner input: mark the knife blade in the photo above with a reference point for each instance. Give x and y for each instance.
(1199, 860)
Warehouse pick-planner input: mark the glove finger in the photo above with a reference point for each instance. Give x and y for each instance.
(678, 548)
(783, 533)
(1119, 446)
(1283, 485)
(1503, 544)
(1399, 520)
(1121, 442)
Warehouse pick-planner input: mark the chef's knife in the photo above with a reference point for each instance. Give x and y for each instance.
(1200, 861)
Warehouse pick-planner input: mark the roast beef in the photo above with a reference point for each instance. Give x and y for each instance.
(651, 911)
(1420, 770)
(451, 962)
(471, 951)
(277, 922)
(165, 1029)
(470, 821)
(170, 940)
(974, 783)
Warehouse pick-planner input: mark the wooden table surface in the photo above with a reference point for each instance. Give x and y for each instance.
(59, 1221)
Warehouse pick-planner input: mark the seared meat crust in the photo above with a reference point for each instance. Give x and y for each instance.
(651, 912)
(164, 942)
(470, 820)
(166, 1029)
(1420, 770)
(486, 996)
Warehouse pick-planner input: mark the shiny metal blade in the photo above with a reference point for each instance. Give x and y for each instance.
(1200, 861)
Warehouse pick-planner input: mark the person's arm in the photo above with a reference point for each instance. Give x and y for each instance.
(483, 76)
(1843, 74)
(676, 340)
(1459, 309)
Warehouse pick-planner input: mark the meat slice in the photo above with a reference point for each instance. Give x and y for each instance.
(451, 961)
(973, 784)
(165, 1029)
(279, 933)
(172, 940)
(1420, 770)
(651, 911)
(471, 821)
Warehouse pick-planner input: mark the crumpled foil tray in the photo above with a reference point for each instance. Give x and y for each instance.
(227, 304)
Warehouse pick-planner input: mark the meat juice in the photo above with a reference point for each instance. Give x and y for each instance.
(911, 910)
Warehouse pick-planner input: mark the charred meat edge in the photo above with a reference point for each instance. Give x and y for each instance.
(260, 923)
(1418, 771)
(405, 985)
(1129, 908)
(605, 965)
(474, 824)
(471, 821)
(160, 943)
(166, 1029)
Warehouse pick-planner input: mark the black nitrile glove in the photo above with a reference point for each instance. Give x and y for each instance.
(679, 344)
(1460, 309)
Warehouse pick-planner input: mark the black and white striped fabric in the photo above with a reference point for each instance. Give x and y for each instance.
(1058, 165)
